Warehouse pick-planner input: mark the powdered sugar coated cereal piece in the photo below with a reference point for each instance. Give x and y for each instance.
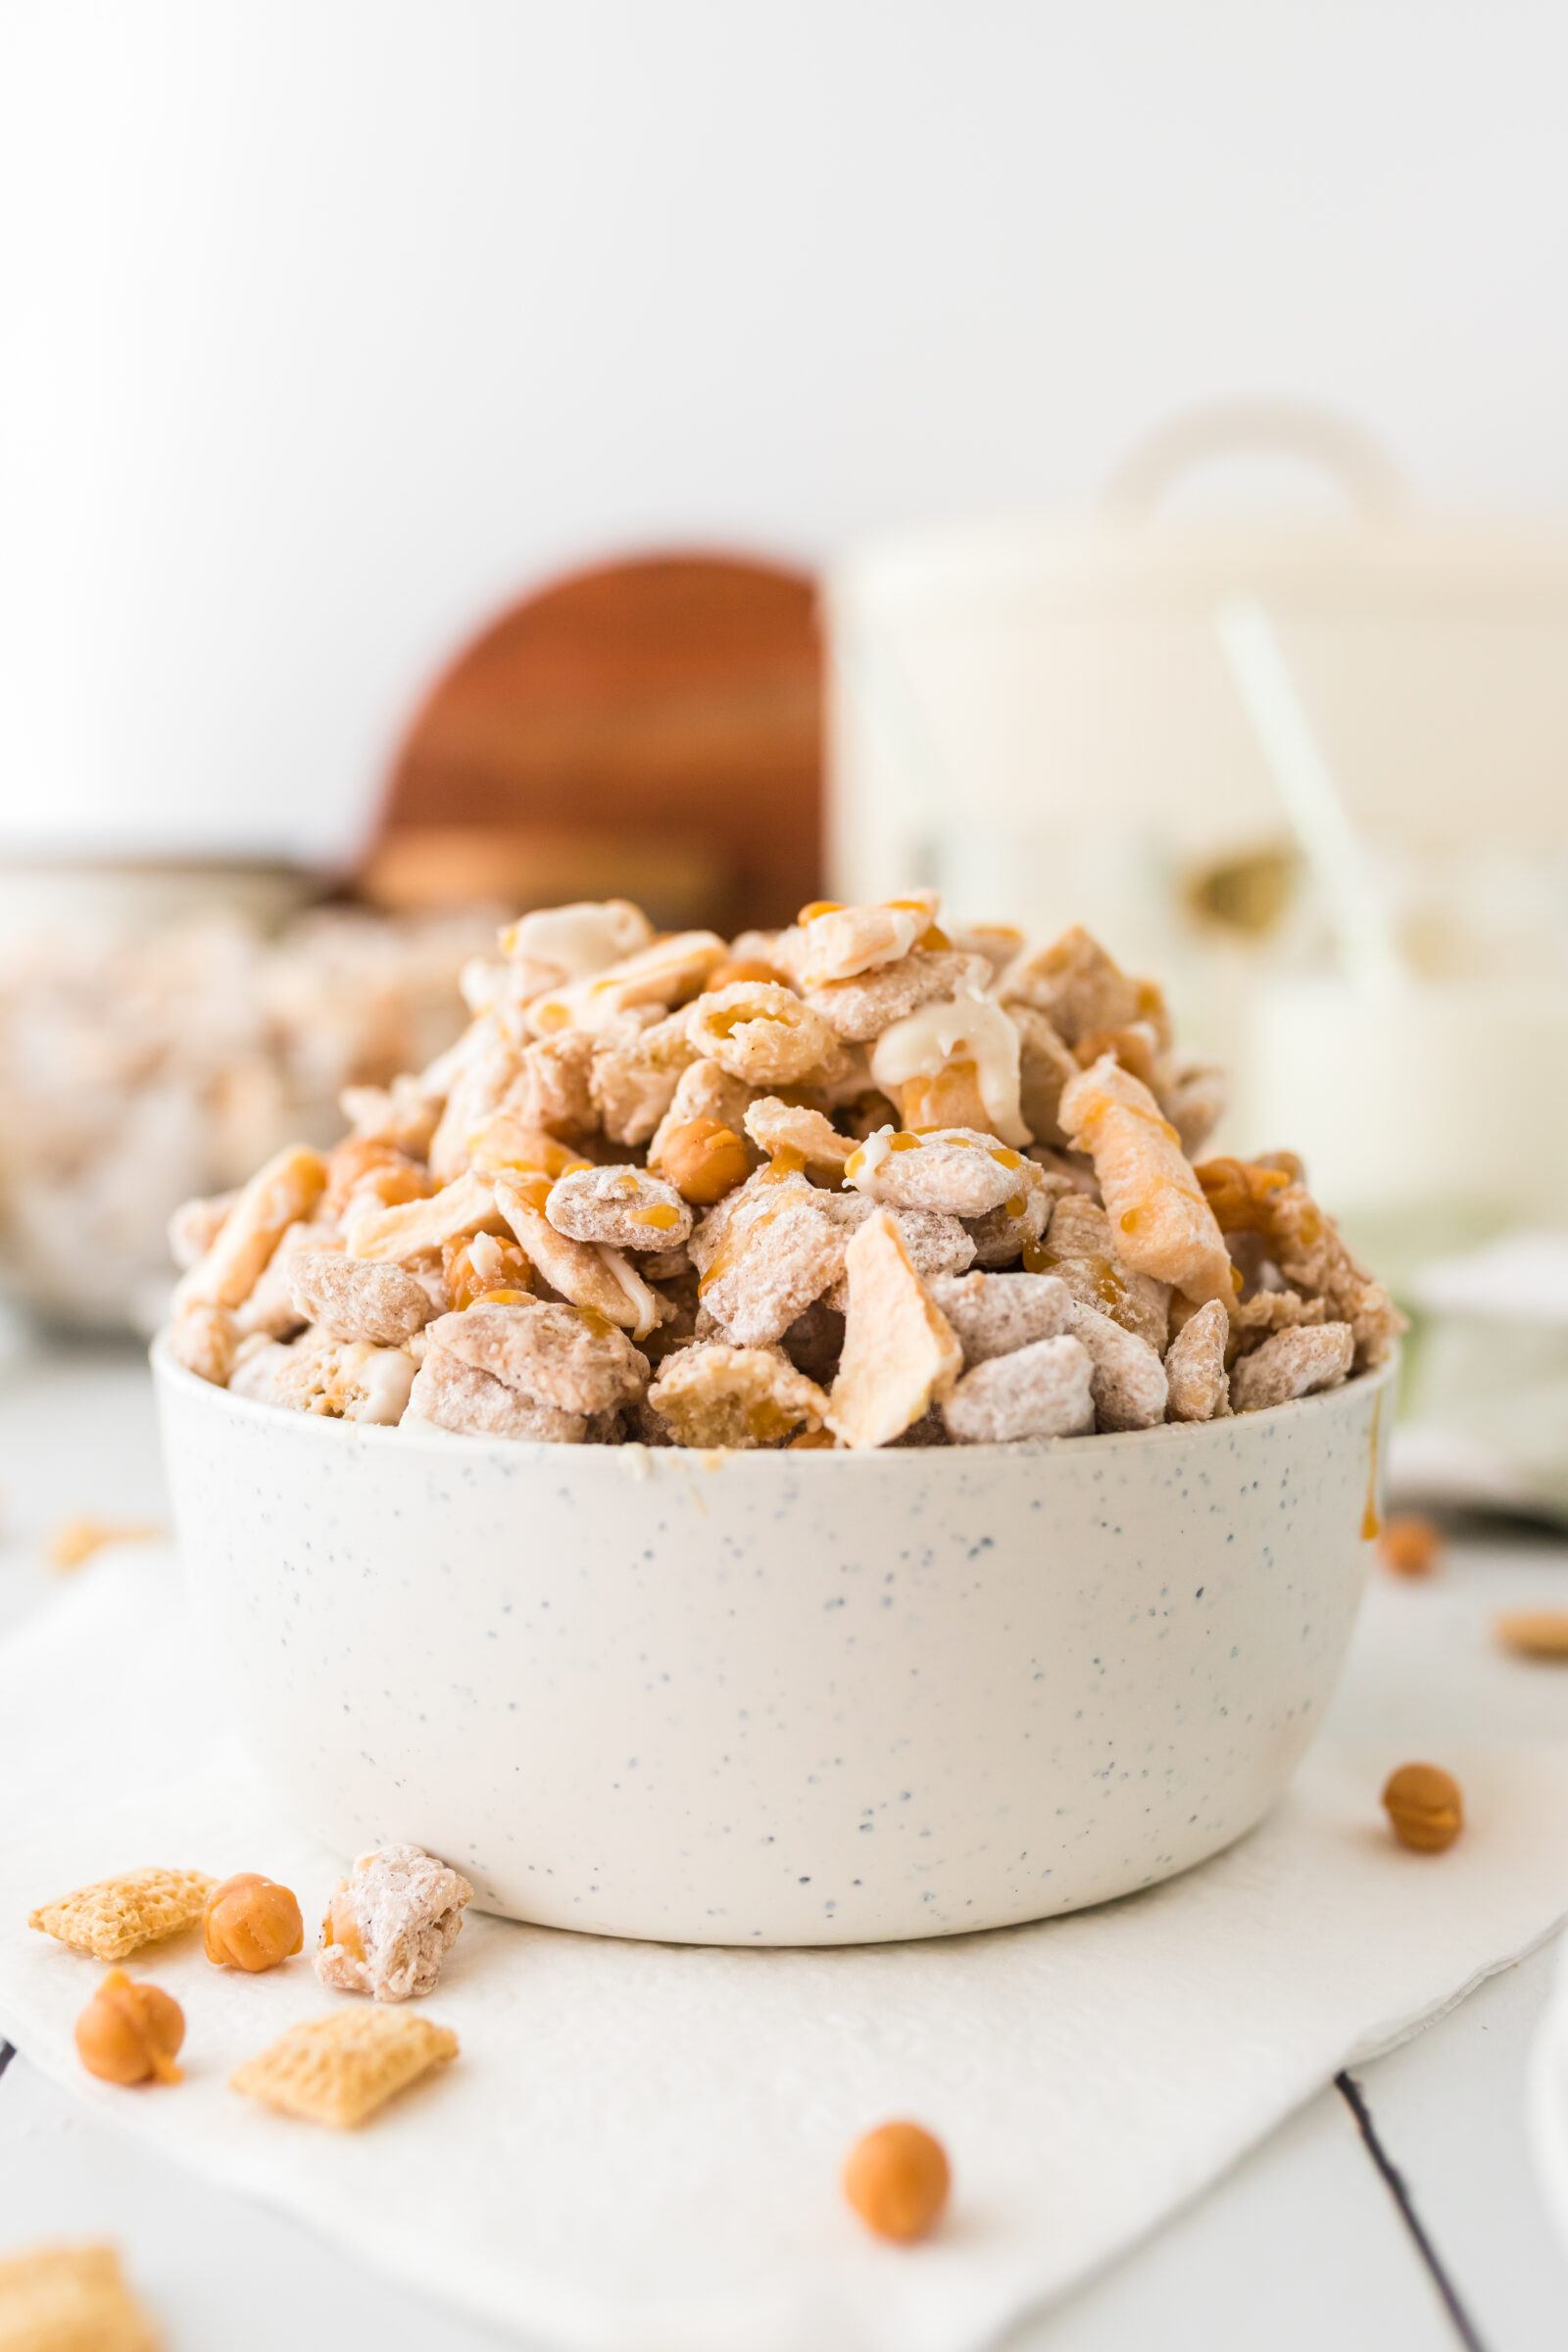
(1128, 1380)
(1266, 1311)
(862, 1009)
(758, 1032)
(1076, 985)
(715, 1395)
(624, 1206)
(551, 1088)
(449, 1394)
(901, 1355)
(358, 1298)
(579, 1362)
(1194, 1366)
(765, 1255)
(934, 1243)
(787, 1128)
(1081, 1248)
(391, 1922)
(1002, 1233)
(956, 1170)
(1294, 1363)
(1045, 1067)
(843, 940)
(1163, 1223)
(992, 1314)
(632, 1079)
(587, 1274)
(341, 2068)
(270, 1306)
(1039, 1391)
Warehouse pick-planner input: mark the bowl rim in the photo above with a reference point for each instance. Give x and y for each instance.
(639, 1459)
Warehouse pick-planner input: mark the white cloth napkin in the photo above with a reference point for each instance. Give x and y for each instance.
(638, 2148)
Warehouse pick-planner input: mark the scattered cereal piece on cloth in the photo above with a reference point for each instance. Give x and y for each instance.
(391, 1922)
(342, 2068)
(69, 2298)
(115, 1917)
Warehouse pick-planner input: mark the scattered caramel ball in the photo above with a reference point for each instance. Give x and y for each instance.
(1424, 1806)
(1410, 1546)
(251, 1923)
(745, 967)
(897, 2178)
(703, 1161)
(130, 2032)
(1534, 1633)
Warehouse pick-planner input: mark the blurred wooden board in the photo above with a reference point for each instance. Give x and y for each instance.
(649, 730)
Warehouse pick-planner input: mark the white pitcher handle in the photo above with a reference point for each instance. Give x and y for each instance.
(1292, 428)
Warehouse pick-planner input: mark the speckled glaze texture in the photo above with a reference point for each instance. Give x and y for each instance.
(777, 1698)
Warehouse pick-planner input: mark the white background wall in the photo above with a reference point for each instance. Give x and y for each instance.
(329, 324)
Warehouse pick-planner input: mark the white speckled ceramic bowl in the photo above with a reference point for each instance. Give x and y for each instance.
(777, 1698)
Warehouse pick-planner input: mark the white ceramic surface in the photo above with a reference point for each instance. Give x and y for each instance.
(777, 1698)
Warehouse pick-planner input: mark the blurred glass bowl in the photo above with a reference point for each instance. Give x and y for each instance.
(163, 1029)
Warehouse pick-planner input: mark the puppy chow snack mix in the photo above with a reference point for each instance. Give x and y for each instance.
(864, 1181)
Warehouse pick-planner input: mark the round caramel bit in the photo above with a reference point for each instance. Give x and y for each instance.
(1424, 1806)
(897, 2178)
(746, 967)
(703, 1161)
(1534, 1633)
(1410, 1546)
(130, 2032)
(809, 913)
(251, 1923)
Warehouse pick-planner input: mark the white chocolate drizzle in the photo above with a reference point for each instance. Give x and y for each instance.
(970, 1027)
